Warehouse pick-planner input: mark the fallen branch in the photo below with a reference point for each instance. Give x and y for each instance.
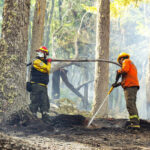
(63, 75)
(78, 88)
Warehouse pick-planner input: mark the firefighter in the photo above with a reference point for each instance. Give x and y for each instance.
(130, 84)
(40, 70)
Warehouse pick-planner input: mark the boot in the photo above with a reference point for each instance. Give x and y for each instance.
(34, 114)
(134, 126)
(45, 117)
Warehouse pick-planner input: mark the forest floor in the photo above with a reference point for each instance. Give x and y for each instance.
(105, 134)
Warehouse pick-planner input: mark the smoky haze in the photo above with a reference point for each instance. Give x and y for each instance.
(129, 33)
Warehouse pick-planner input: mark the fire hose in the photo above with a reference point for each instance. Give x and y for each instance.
(82, 60)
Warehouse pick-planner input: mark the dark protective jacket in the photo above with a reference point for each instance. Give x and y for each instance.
(40, 71)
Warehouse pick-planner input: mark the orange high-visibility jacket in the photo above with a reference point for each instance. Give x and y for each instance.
(129, 72)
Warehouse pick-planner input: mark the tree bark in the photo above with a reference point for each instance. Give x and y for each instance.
(38, 26)
(102, 52)
(13, 52)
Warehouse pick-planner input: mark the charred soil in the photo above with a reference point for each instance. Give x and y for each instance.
(70, 132)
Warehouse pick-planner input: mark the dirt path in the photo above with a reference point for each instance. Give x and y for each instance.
(17, 139)
(108, 134)
(55, 144)
(16, 142)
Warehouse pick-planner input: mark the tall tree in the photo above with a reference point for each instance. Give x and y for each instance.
(13, 51)
(38, 26)
(48, 29)
(148, 89)
(102, 52)
(56, 85)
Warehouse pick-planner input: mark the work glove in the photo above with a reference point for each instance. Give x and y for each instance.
(114, 85)
(49, 60)
(118, 75)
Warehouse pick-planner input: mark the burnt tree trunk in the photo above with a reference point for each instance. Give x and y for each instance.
(56, 85)
(63, 75)
(13, 52)
(102, 52)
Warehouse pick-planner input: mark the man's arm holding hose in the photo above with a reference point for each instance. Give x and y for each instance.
(124, 70)
(116, 84)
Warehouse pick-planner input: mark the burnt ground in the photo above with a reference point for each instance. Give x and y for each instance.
(65, 132)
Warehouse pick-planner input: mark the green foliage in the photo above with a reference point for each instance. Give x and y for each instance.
(117, 7)
(64, 32)
(33, 2)
(1, 3)
(90, 9)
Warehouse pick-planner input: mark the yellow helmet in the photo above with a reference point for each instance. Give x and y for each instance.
(123, 54)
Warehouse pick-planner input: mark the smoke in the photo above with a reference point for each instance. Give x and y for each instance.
(129, 34)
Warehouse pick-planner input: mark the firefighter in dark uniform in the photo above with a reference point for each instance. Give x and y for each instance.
(130, 84)
(39, 79)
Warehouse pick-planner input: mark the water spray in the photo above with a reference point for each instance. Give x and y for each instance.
(100, 107)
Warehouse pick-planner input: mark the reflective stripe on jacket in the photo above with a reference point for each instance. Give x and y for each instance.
(129, 74)
(40, 71)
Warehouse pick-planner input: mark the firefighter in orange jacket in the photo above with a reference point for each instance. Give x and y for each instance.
(39, 79)
(130, 84)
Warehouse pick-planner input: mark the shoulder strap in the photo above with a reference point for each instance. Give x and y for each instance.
(30, 63)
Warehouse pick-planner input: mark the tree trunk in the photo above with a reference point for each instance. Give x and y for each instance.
(46, 20)
(13, 52)
(86, 89)
(49, 25)
(60, 11)
(102, 52)
(38, 26)
(148, 90)
(85, 102)
(56, 85)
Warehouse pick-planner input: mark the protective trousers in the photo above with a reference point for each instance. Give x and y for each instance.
(130, 96)
(39, 99)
